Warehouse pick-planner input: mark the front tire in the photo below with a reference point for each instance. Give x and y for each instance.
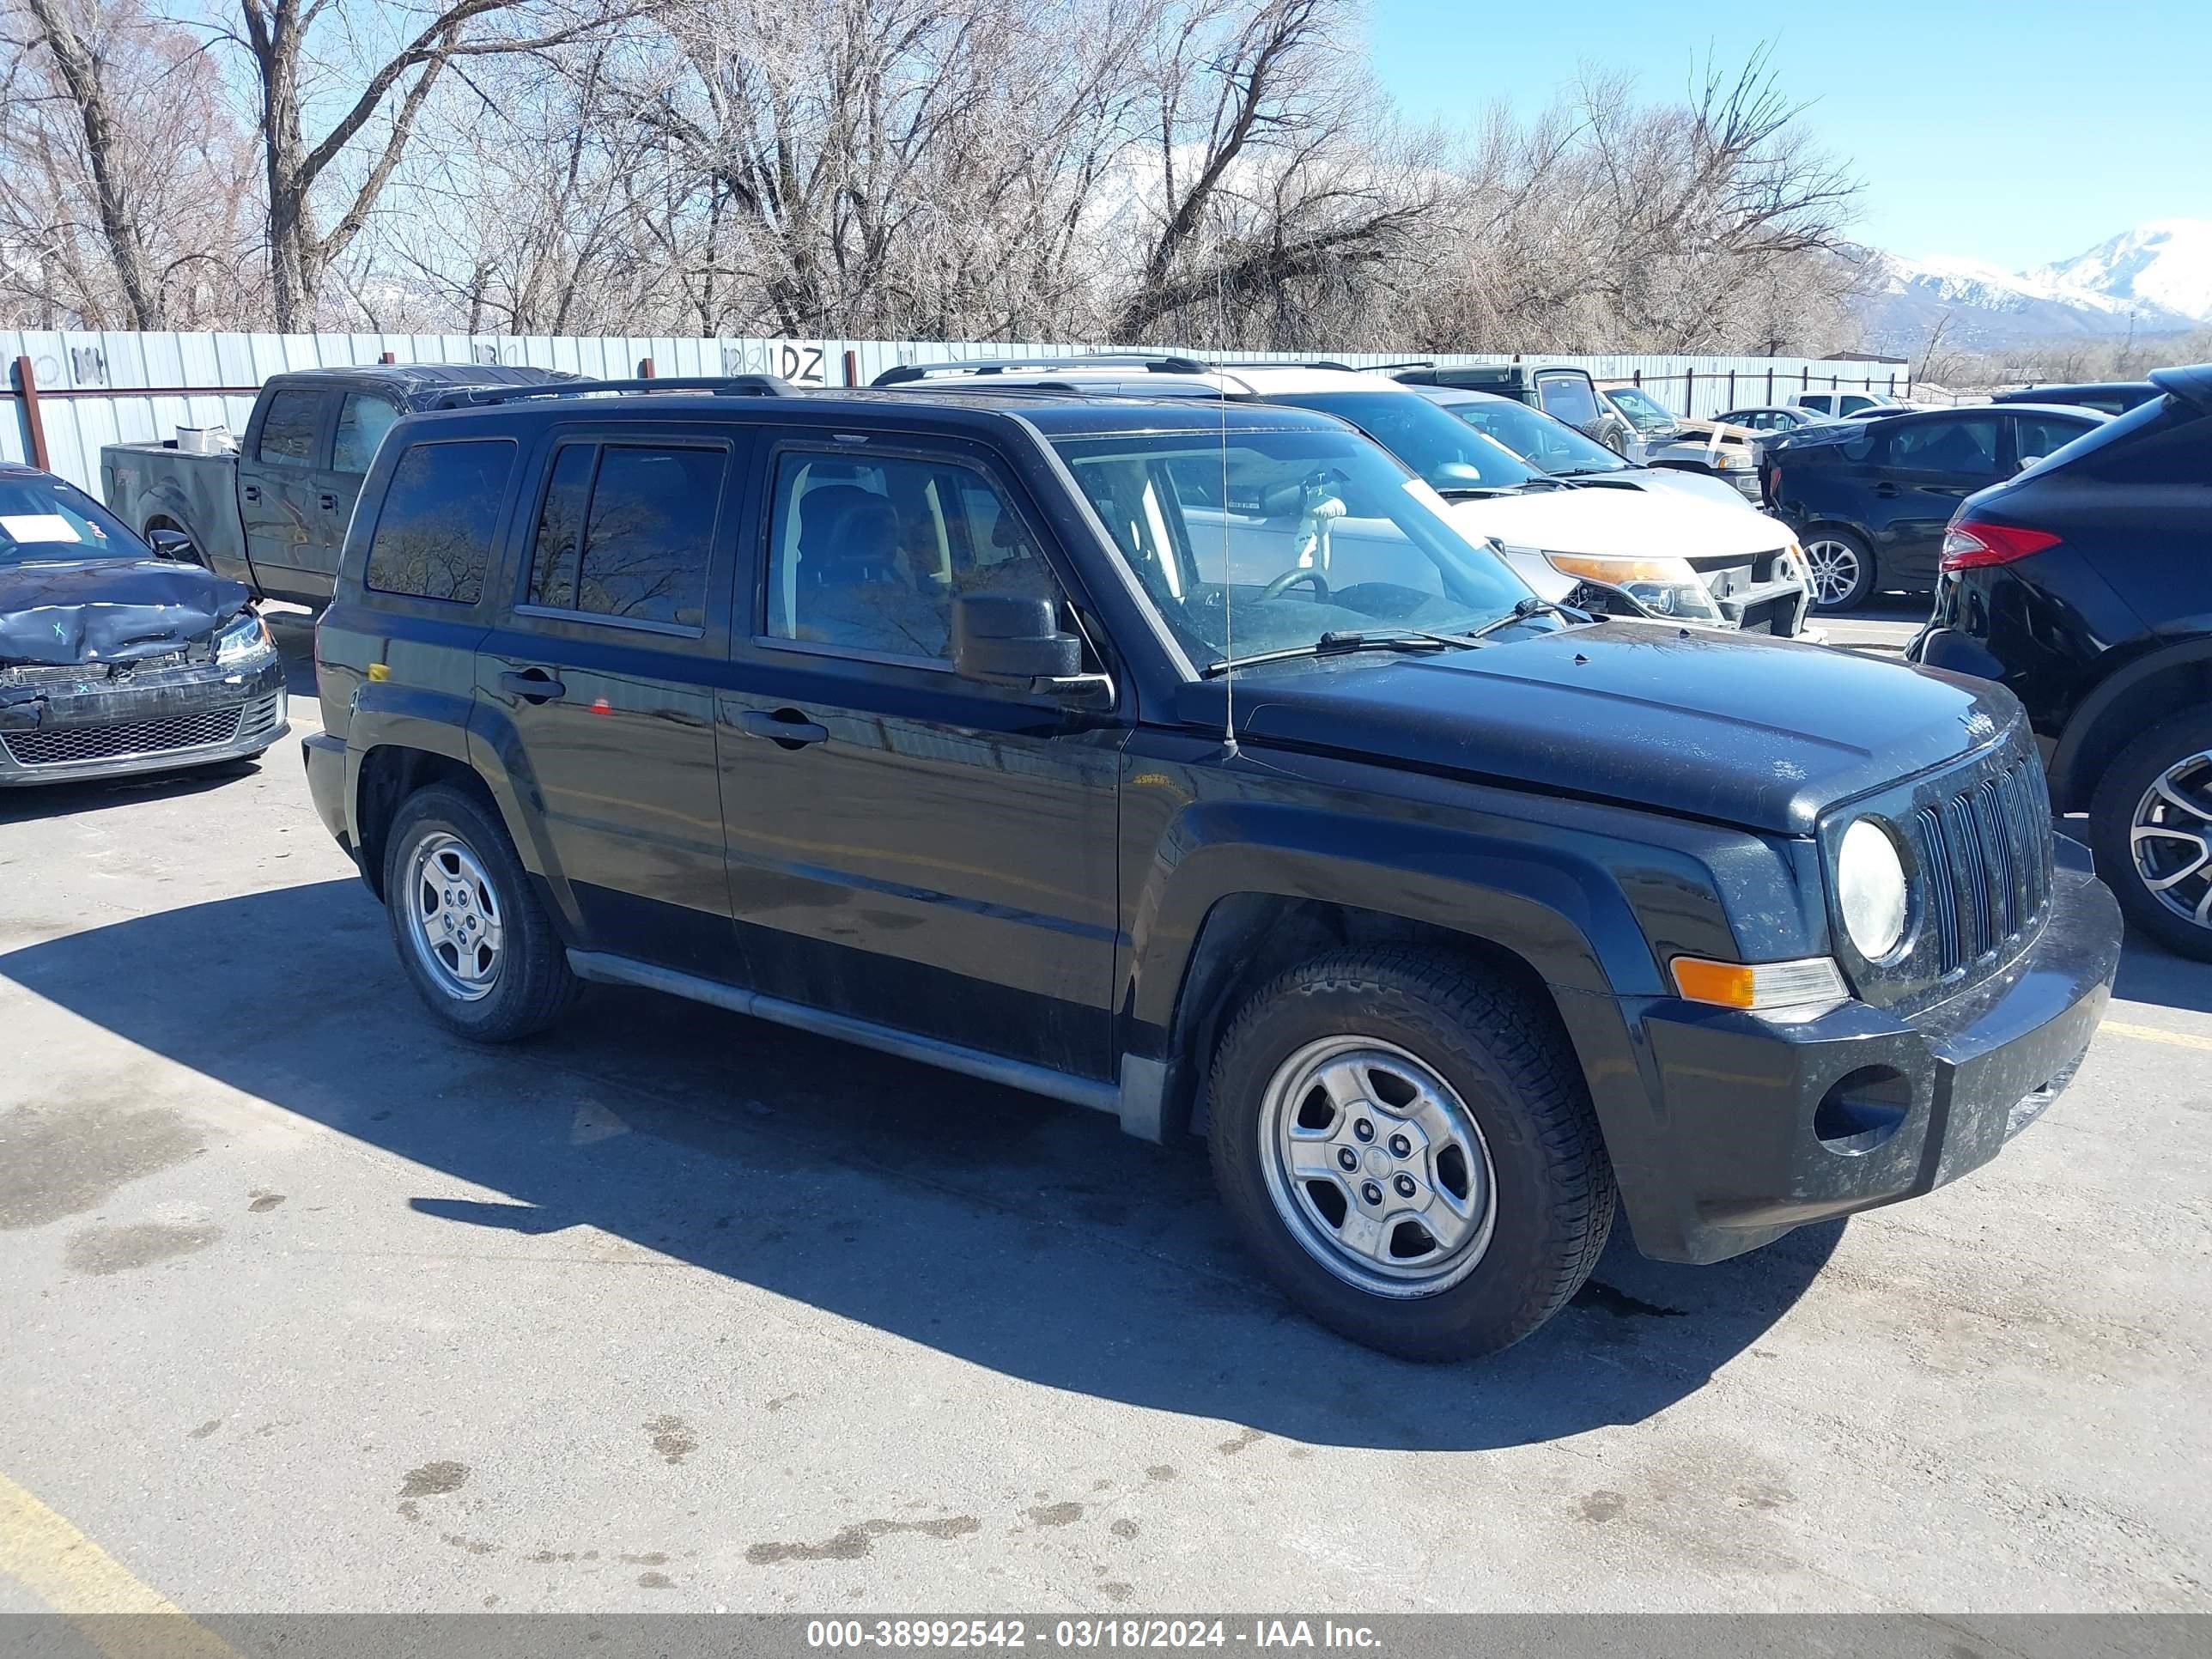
(1842, 569)
(2150, 824)
(470, 931)
(1408, 1148)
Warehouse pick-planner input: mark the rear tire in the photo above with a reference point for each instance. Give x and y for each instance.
(469, 929)
(1841, 568)
(2150, 824)
(1455, 1099)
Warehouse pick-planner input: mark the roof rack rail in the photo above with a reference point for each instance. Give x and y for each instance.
(1410, 362)
(1153, 363)
(721, 385)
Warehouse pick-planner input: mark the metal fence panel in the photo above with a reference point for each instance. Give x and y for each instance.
(114, 386)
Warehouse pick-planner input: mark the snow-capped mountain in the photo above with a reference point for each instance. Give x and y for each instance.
(2155, 279)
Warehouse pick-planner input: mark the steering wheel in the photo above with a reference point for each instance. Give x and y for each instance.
(1290, 579)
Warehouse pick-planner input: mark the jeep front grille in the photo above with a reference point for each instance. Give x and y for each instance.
(1986, 858)
(67, 745)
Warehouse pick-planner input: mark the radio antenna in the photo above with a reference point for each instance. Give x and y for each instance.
(1228, 625)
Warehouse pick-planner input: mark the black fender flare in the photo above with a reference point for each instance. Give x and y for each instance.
(1564, 916)
(2076, 743)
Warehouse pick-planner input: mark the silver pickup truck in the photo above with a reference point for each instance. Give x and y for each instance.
(274, 514)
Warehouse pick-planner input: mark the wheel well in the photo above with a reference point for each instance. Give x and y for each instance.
(2162, 692)
(1248, 938)
(389, 774)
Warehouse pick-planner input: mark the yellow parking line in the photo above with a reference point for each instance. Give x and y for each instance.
(2152, 1033)
(94, 1591)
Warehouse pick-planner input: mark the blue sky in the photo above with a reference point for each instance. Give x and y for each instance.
(2016, 131)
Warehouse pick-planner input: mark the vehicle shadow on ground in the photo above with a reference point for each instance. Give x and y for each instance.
(1010, 1231)
(55, 800)
(2150, 973)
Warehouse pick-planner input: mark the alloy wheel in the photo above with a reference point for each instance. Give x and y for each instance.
(1376, 1167)
(2171, 838)
(454, 920)
(1834, 569)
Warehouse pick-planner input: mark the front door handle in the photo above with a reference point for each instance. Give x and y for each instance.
(252, 492)
(786, 727)
(330, 502)
(532, 685)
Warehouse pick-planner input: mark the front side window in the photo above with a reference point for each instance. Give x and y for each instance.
(434, 531)
(1644, 412)
(1965, 448)
(867, 555)
(2039, 435)
(1567, 398)
(1423, 434)
(1549, 445)
(1318, 533)
(628, 530)
(291, 428)
(362, 422)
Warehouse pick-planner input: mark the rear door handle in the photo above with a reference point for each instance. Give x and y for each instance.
(330, 502)
(532, 685)
(786, 727)
(1885, 489)
(252, 492)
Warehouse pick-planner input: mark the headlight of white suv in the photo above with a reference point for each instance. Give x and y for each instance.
(1870, 889)
(244, 639)
(1666, 588)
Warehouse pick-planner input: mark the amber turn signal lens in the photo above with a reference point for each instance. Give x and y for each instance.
(1758, 985)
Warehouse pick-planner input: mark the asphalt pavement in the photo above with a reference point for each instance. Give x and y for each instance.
(310, 1308)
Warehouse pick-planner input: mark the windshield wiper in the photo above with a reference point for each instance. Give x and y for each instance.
(1523, 610)
(1472, 492)
(1339, 643)
(1591, 471)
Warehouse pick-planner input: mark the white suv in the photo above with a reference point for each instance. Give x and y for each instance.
(1840, 404)
(1681, 558)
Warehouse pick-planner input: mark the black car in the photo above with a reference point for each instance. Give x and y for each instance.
(921, 720)
(2085, 587)
(1869, 499)
(2106, 396)
(114, 657)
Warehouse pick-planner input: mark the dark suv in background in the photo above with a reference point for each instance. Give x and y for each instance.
(2084, 587)
(1869, 499)
(932, 722)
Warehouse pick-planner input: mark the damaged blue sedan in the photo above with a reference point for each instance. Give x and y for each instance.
(118, 657)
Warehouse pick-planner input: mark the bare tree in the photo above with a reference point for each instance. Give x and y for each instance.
(119, 215)
(276, 35)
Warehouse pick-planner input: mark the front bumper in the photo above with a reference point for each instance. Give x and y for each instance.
(1765, 1123)
(67, 730)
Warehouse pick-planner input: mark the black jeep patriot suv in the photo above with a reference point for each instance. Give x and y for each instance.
(1181, 760)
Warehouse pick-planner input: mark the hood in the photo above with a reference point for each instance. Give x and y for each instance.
(1646, 524)
(1741, 729)
(89, 610)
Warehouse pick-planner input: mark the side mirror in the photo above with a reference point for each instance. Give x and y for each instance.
(173, 545)
(1003, 639)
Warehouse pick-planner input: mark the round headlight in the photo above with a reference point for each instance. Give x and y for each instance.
(1870, 889)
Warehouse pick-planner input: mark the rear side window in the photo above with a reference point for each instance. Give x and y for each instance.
(434, 532)
(1968, 447)
(628, 530)
(289, 430)
(2044, 434)
(362, 422)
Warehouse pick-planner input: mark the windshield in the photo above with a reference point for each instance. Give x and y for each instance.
(1645, 412)
(1551, 444)
(1317, 532)
(1422, 437)
(44, 520)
